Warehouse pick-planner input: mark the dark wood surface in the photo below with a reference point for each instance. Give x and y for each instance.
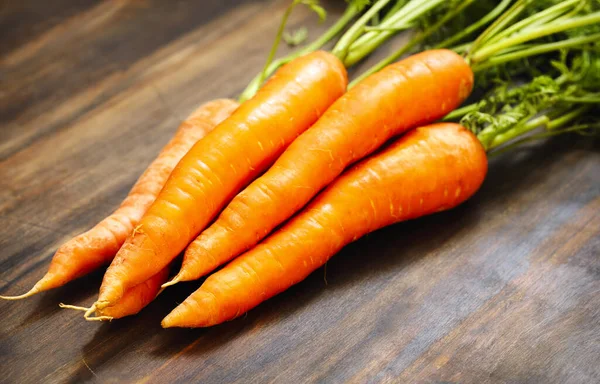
(505, 288)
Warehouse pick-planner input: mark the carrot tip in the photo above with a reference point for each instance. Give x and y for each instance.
(169, 283)
(159, 292)
(31, 292)
(75, 307)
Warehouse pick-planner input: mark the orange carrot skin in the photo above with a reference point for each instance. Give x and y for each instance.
(220, 165)
(98, 246)
(411, 92)
(136, 298)
(429, 169)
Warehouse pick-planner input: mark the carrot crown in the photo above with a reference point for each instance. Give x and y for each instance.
(525, 29)
(512, 35)
(372, 24)
(560, 101)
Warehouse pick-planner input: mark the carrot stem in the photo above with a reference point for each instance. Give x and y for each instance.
(543, 135)
(542, 17)
(349, 14)
(401, 27)
(500, 23)
(371, 40)
(475, 26)
(536, 50)
(530, 125)
(343, 45)
(273, 51)
(460, 112)
(567, 118)
(411, 44)
(589, 99)
(488, 51)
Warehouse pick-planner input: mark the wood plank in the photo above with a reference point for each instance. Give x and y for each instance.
(24, 20)
(80, 63)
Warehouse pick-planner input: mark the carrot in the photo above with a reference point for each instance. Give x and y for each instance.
(88, 251)
(429, 169)
(136, 298)
(220, 165)
(133, 300)
(417, 90)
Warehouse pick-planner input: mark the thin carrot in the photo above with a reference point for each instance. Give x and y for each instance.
(133, 300)
(417, 90)
(99, 245)
(220, 165)
(429, 169)
(136, 298)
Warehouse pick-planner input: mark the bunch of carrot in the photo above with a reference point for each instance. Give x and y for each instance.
(326, 163)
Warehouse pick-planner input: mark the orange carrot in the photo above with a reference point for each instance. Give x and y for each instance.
(430, 169)
(414, 91)
(133, 300)
(220, 165)
(98, 246)
(136, 298)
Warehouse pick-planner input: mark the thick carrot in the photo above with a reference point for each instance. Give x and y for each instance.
(220, 165)
(99, 245)
(430, 169)
(414, 91)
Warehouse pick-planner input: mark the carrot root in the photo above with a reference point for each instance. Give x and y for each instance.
(174, 281)
(160, 291)
(74, 307)
(88, 312)
(27, 294)
(45, 283)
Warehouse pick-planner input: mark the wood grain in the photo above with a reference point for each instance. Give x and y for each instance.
(506, 288)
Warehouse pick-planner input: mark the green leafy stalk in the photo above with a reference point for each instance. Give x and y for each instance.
(545, 121)
(501, 22)
(418, 39)
(516, 34)
(360, 39)
(585, 129)
(368, 42)
(493, 14)
(548, 29)
(343, 45)
(354, 8)
(280, 31)
(535, 50)
(296, 38)
(511, 114)
(539, 18)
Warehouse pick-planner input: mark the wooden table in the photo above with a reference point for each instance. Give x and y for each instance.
(506, 288)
